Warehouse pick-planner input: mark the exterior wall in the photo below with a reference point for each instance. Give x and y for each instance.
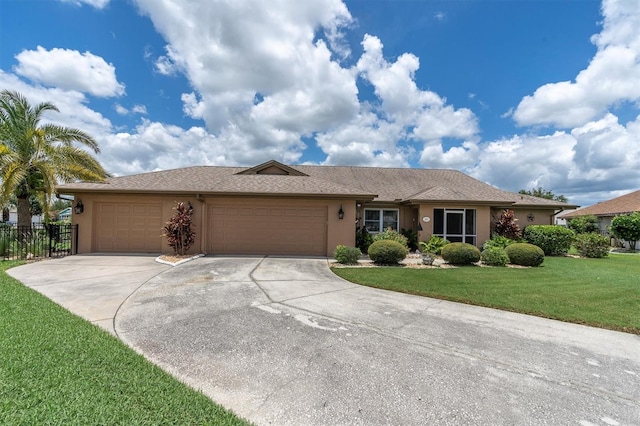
(524, 216)
(483, 220)
(338, 231)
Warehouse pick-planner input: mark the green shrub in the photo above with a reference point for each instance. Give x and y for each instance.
(391, 235)
(434, 245)
(552, 239)
(347, 255)
(525, 254)
(494, 256)
(363, 240)
(592, 245)
(460, 253)
(497, 241)
(387, 252)
(584, 224)
(412, 238)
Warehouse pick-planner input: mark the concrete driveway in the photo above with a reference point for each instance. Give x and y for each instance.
(284, 341)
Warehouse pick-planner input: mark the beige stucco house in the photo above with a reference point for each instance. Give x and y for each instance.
(273, 208)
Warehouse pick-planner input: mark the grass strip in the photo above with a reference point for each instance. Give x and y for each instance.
(58, 369)
(597, 292)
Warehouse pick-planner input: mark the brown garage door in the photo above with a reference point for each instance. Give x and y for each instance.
(267, 230)
(128, 227)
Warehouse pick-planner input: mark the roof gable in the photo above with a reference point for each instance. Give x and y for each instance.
(272, 167)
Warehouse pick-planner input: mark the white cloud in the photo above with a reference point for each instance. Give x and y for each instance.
(120, 109)
(596, 159)
(69, 70)
(612, 76)
(136, 109)
(262, 73)
(98, 4)
(168, 64)
(139, 109)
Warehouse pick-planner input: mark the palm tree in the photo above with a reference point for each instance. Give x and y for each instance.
(35, 157)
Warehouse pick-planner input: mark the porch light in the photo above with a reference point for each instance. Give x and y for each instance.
(340, 213)
(79, 207)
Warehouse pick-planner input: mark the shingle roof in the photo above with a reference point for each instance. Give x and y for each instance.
(366, 183)
(620, 205)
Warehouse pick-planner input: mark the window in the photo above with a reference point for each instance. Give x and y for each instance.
(455, 225)
(377, 220)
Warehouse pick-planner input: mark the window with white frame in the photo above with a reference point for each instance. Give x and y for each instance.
(377, 220)
(455, 225)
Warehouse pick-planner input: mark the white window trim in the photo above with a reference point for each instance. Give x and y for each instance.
(381, 219)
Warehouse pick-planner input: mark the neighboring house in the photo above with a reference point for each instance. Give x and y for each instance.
(605, 211)
(64, 215)
(561, 218)
(273, 208)
(13, 216)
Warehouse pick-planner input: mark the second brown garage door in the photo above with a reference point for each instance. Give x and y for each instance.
(267, 230)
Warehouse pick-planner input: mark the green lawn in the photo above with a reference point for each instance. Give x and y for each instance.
(57, 369)
(599, 292)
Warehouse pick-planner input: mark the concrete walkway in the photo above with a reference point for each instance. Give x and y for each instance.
(284, 341)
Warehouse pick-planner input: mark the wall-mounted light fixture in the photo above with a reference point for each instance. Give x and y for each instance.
(79, 207)
(340, 213)
(419, 226)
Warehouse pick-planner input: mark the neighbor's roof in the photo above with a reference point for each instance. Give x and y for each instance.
(365, 183)
(620, 205)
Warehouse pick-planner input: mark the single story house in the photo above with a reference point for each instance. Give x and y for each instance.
(274, 208)
(605, 211)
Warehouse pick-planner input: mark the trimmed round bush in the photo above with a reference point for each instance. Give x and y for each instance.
(347, 255)
(387, 252)
(494, 256)
(592, 245)
(460, 253)
(525, 254)
(554, 240)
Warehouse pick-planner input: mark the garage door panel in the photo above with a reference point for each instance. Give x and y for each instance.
(128, 227)
(267, 230)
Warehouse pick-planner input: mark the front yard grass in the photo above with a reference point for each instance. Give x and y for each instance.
(57, 369)
(597, 292)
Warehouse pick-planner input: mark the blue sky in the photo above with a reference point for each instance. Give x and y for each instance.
(518, 94)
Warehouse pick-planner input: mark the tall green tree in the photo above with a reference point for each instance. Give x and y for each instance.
(35, 157)
(540, 192)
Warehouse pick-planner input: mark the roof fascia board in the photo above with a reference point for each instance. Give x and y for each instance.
(359, 197)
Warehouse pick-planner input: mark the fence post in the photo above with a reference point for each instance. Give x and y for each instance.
(74, 230)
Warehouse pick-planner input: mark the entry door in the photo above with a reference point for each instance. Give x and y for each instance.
(455, 226)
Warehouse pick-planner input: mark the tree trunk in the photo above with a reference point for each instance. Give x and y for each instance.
(24, 213)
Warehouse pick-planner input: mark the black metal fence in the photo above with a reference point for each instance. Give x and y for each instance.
(37, 241)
